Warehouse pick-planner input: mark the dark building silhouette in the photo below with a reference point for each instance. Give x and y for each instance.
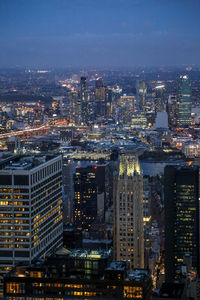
(92, 193)
(181, 188)
(72, 238)
(108, 112)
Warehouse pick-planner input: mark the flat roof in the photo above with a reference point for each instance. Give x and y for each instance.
(25, 162)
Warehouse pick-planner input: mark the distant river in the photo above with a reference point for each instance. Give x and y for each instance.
(157, 168)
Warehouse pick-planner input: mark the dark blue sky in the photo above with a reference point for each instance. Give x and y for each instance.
(99, 32)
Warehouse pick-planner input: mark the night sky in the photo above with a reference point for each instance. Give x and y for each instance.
(102, 33)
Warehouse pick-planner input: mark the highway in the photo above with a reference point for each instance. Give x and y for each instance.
(21, 132)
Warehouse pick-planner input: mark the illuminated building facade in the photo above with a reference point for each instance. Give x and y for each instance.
(159, 98)
(100, 98)
(68, 190)
(128, 102)
(172, 110)
(99, 90)
(75, 108)
(57, 105)
(30, 208)
(191, 149)
(141, 91)
(128, 212)
(139, 120)
(181, 189)
(108, 102)
(127, 107)
(85, 197)
(146, 219)
(184, 102)
(79, 275)
(84, 99)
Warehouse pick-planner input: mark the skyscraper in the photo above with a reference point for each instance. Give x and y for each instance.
(30, 208)
(100, 98)
(92, 193)
(75, 108)
(85, 197)
(184, 102)
(159, 98)
(108, 112)
(146, 219)
(84, 99)
(172, 110)
(99, 89)
(181, 189)
(128, 212)
(141, 91)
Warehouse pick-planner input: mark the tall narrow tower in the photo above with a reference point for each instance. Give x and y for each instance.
(74, 108)
(100, 98)
(159, 101)
(181, 188)
(184, 102)
(141, 91)
(128, 210)
(84, 99)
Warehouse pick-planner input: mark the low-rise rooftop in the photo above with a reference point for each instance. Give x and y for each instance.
(24, 162)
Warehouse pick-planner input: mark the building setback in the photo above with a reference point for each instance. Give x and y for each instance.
(128, 212)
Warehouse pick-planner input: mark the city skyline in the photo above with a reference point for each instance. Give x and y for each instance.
(99, 33)
(99, 149)
(83, 173)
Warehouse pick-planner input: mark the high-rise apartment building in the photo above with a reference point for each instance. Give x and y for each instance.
(128, 212)
(30, 208)
(184, 102)
(181, 189)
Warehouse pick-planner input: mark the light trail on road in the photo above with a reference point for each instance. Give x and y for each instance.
(21, 132)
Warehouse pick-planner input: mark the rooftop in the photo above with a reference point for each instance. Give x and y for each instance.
(138, 274)
(24, 162)
(91, 254)
(117, 266)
